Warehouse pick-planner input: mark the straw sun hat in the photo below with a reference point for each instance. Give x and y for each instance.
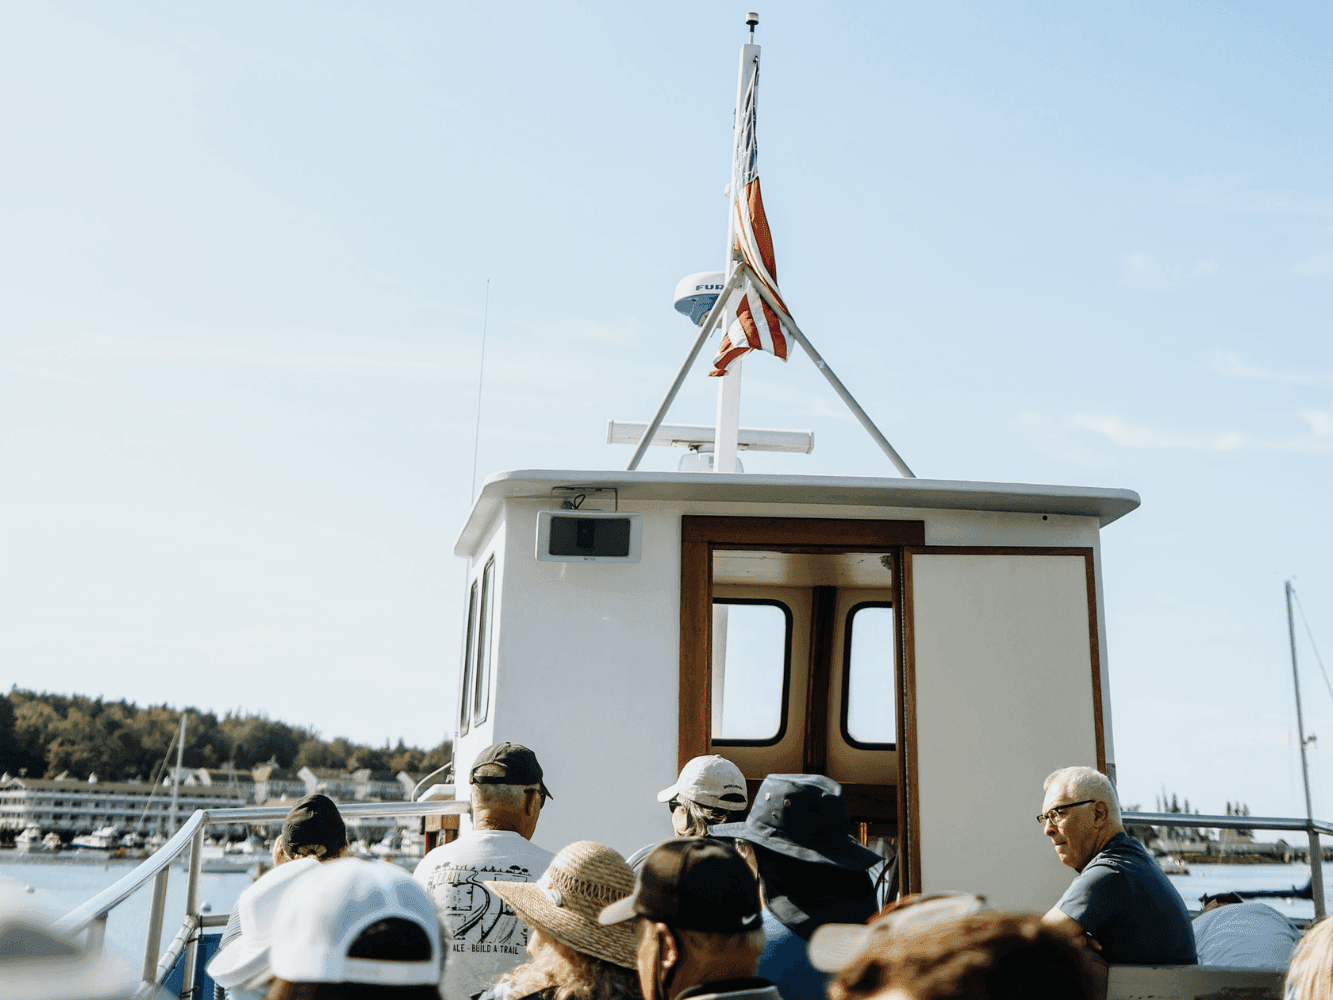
(583, 879)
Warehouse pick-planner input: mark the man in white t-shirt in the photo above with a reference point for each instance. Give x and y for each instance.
(484, 937)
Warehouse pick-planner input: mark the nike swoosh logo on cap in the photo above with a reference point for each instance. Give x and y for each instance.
(747, 921)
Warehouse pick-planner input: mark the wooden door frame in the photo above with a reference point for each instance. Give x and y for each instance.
(907, 755)
(701, 535)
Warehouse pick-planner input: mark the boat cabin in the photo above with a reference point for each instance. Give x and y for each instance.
(936, 647)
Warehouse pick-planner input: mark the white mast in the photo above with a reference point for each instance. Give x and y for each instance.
(1316, 859)
(176, 784)
(729, 385)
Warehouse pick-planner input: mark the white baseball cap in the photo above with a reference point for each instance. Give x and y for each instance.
(246, 958)
(709, 780)
(319, 922)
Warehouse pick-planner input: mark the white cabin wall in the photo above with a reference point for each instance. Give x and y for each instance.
(586, 664)
(587, 677)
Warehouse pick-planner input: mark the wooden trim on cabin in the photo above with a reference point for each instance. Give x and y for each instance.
(700, 535)
(828, 534)
(695, 701)
(907, 769)
(819, 678)
(907, 762)
(1094, 651)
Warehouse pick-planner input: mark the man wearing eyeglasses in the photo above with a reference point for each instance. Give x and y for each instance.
(1120, 903)
(484, 937)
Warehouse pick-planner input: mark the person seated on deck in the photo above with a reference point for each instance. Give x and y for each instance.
(313, 832)
(356, 930)
(811, 872)
(1243, 935)
(573, 956)
(483, 935)
(695, 914)
(710, 790)
(1120, 904)
(1310, 976)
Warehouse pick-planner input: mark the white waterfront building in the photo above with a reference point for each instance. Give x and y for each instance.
(72, 805)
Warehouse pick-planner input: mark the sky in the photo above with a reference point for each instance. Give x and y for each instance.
(247, 254)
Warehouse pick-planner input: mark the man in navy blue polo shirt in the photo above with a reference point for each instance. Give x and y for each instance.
(1120, 903)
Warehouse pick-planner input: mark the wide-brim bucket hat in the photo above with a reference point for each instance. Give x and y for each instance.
(803, 816)
(582, 880)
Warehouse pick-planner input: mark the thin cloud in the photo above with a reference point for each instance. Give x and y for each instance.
(1140, 269)
(1318, 439)
(119, 347)
(1320, 263)
(46, 374)
(1229, 192)
(1228, 363)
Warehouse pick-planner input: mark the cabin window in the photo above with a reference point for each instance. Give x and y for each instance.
(751, 671)
(465, 675)
(869, 699)
(482, 700)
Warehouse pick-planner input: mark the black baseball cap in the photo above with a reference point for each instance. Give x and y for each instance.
(692, 883)
(314, 820)
(518, 763)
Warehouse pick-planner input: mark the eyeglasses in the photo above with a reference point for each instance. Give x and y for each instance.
(674, 804)
(1056, 813)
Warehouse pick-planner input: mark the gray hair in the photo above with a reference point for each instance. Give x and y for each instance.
(501, 797)
(1086, 783)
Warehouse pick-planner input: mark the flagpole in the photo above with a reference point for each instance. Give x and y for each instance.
(860, 414)
(709, 324)
(729, 385)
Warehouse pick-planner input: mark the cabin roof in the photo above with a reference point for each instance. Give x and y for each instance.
(1106, 505)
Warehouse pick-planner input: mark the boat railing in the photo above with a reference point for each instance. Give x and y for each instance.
(1312, 828)
(90, 917)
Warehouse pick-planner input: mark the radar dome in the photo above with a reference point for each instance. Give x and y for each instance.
(696, 293)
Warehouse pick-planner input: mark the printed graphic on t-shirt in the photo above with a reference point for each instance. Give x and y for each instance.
(476, 919)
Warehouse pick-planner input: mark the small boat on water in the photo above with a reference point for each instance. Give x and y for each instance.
(106, 838)
(30, 840)
(52, 842)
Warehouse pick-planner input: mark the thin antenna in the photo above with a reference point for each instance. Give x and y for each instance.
(752, 19)
(481, 374)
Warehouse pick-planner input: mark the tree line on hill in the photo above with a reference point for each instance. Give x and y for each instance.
(44, 735)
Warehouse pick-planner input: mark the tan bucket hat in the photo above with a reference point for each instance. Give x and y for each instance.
(582, 880)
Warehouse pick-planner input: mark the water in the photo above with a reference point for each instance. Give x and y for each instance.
(59, 886)
(1212, 879)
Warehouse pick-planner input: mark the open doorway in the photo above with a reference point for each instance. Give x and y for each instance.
(791, 655)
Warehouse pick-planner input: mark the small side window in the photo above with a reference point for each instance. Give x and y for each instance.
(869, 690)
(482, 700)
(751, 671)
(465, 674)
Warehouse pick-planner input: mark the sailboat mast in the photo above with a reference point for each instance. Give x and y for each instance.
(1316, 854)
(176, 783)
(729, 386)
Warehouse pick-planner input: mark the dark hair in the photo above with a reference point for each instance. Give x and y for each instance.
(987, 956)
(390, 940)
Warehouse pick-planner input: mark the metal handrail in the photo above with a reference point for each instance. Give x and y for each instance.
(1227, 822)
(123, 888)
(91, 915)
(1311, 827)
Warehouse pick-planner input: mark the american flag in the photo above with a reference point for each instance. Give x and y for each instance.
(755, 326)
